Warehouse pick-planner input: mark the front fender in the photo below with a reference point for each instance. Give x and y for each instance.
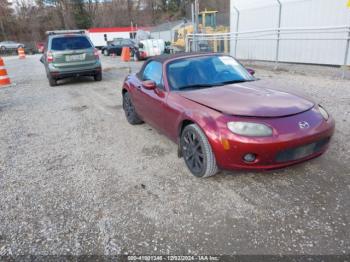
(208, 122)
(126, 84)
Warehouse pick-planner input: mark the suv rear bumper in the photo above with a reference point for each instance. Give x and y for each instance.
(76, 73)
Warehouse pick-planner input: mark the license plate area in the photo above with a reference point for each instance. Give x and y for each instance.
(302, 151)
(74, 58)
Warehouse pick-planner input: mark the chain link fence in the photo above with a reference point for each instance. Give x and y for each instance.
(279, 44)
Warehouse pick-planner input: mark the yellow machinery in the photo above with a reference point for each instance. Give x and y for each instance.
(180, 36)
(207, 24)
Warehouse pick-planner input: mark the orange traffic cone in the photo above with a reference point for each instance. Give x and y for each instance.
(125, 54)
(21, 53)
(4, 79)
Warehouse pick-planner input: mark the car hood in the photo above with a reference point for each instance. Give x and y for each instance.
(249, 99)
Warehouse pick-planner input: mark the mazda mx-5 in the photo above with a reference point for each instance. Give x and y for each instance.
(222, 117)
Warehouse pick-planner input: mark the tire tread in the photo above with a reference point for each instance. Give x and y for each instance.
(211, 168)
(135, 119)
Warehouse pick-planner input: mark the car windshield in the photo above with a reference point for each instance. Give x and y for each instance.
(70, 43)
(205, 71)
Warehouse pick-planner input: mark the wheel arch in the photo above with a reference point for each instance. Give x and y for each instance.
(211, 128)
(124, 90)
(126, 87)
(183, 123)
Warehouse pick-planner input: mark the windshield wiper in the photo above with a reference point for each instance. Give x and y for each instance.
(215, 84)
(235, 81)
(198, 85)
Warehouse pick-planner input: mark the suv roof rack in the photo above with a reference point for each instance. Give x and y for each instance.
(61, 32)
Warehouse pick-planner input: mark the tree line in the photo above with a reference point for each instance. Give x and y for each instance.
(27, 20)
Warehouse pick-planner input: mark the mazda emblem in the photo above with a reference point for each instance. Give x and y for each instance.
(304, 125)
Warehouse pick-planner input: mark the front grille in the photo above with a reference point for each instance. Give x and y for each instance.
(301, 151)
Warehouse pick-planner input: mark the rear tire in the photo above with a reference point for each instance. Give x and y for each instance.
(197, 152)
(98, 77)
(129, 110)
(52, 81)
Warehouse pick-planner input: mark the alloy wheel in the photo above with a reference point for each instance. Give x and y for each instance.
(193, 151)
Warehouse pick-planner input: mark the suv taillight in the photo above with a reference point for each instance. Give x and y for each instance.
(49, 57)
(97, 55)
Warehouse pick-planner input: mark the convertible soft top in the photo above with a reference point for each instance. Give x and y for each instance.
(166, 57)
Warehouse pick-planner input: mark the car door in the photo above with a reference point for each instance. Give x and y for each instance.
(12, 45)
(8, 45)
(116, 47)
(150, 103)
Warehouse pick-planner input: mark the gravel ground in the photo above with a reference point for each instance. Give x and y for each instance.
(76, 178)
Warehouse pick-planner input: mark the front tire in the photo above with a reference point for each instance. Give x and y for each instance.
(52, 81)
(129, 110)
(197, 152)
(98, 77)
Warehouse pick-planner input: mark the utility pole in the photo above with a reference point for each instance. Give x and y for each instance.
(196, 21)
(132, 29)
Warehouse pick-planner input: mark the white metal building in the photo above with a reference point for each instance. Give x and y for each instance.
(166, 31)
(311, 31)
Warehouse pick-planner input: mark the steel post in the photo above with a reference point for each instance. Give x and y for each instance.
(237, 28)
(346, 53)
(278, 33)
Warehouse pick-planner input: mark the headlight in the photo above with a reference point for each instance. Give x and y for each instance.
(323, 112)
(249, 129)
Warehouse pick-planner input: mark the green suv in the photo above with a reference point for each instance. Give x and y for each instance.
(70, 54)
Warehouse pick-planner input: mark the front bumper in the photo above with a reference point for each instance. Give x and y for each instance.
(289, 146)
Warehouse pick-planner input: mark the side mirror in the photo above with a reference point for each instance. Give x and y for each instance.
(149, 85)
(251, 71)
(42, 59)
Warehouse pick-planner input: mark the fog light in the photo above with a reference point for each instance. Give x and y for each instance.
(250, 157)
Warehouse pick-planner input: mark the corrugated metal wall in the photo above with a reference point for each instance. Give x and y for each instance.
(297, 13)
(165, 35)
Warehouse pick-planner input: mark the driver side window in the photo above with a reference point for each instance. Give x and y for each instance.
(153, 71)
(117, 42)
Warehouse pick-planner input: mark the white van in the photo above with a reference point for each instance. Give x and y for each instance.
(151, 47)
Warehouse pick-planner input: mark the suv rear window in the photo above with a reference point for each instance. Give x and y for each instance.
(70, 43)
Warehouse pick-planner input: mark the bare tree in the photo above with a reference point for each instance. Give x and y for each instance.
(6, 18)
(33, 17)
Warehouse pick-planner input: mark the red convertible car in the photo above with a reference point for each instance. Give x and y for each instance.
(222, 117)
